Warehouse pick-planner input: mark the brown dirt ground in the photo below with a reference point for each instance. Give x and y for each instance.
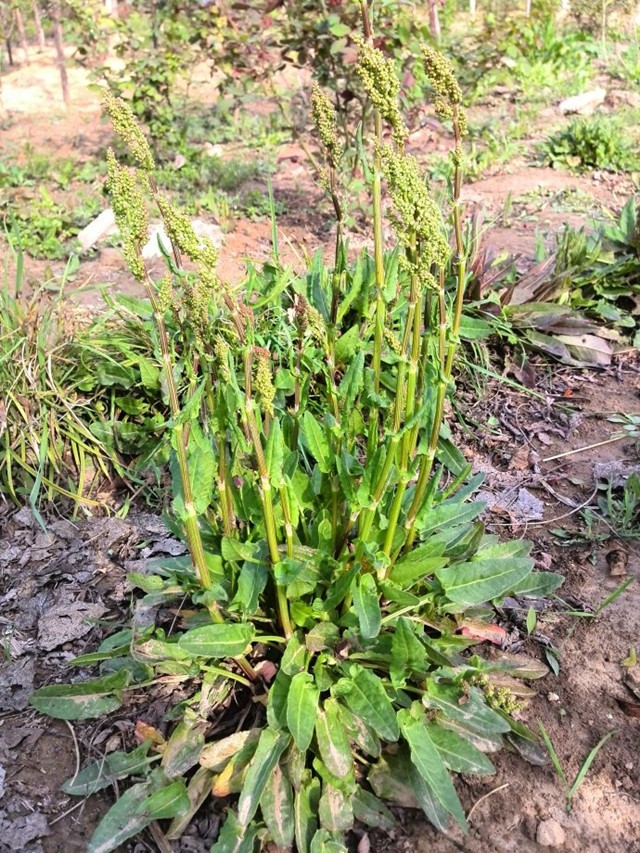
(84, 560)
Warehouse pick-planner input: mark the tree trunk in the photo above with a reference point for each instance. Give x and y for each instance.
(434, 20)
(57, 40)
(37, 18)
(21, 33)
(472, 7)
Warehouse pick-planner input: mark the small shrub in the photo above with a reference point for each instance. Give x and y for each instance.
(591, 143)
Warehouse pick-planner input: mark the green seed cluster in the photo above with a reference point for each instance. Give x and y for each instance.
(502, 699)
(125, 125)
(166, 293)
(199, 289)
(449, 95)
(380, 82)
(130, 211)
(221, 351)
(394, 344)
(418, 221)
(263, 382)
(326, 123)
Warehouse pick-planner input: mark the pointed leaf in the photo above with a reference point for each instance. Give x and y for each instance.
(215, 756)
(458, 754)
(105, 771)
(468, 708)
(270, 747)
(234, 837)
(83, 701)
(407, 653)
(364, 693)
(366, 601)
(218, 641)
(168, 802)
(306, 813)
(333, 741)
(123, 820)
(368, 809)
(302, 706)
(198, 790)
(335, 809)
(429, 764)
(276, 805)
(315, 440)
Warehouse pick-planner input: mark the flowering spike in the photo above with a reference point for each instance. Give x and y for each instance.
(130, 211)
(380, 82)
(418, 220)
(449, 95)
(263, 382)
(326, 123)
(125, 125)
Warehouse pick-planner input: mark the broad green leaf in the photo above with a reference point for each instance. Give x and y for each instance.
(429, 764)
(366, 601)
(364, 693)
(483, 579)
(105, 771)
(394, 778)
(352, 382)
(238, 552)
(408, 654)
(333, 740)
(539, 584)
(234, 837)
(295, 655)
(184, 747)
(149, 373)
(458, 753)
(335, 809)
(468, 708)
(448, 514)
(302, 706)
(198, 790)
(218, 641)
(484, 742)
(156, 651)
(86, 700)
(168, 802)
(277, 700)
(215, 756)
(406, 571)
(276, 805)
(251, 582)
(315, 440)
(358, 732)
(123, 820)
(305, 809)
(370, 810)
(270, 747)
(324, 842)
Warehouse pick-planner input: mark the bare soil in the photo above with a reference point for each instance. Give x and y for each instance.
(83, 562)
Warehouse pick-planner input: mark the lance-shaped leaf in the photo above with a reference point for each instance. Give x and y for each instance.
(335, 809)
(358, 731)
(215, 756)
(368, 809)
(364, 693)
(305, 809)
(184, 747)
(427, 761)
(234, 837)
(408, 654)
(467, 708)
(366, 601)
(124, 819)
(333, 740)
(324, 842)
(276, 805)
(315, 440)
(270, 747)
(105, 771)
(394, 778)
(218, 641)
(488, 576)
(198, 790)
(458, 753)
(302, 706)
(168, 802)
(86, 700)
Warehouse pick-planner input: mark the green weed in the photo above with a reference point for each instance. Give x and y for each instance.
(592, 143)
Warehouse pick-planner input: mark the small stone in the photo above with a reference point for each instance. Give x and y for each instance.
(628, 765)
(553, 697)
(550, 834)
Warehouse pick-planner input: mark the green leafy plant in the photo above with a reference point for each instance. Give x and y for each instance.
(591, 143)
(333, 551)
(570, 790)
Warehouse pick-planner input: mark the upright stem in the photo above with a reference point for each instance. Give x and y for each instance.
(59, 46)
(266, 498)
(453, 340)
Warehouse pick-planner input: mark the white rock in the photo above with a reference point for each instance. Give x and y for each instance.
(550, 834)
(102, 226)
(156, 230)
(585, 103)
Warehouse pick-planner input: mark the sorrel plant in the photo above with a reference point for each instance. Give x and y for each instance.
(319, 671)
